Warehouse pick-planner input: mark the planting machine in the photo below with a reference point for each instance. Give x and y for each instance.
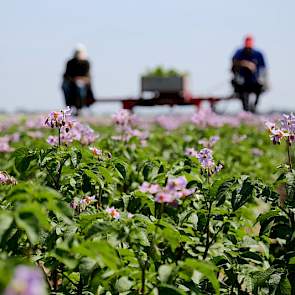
(169, 91)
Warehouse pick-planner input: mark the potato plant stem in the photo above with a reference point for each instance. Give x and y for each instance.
(59, 137)
(143, 279)
(207, 232)
(289, 156)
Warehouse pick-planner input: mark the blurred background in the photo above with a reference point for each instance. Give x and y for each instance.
(126, 38)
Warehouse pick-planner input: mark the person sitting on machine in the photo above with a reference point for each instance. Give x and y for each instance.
(249, 69)
(76, 80)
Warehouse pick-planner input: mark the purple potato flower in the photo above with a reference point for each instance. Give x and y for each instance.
(6, 179)
(205, 157)
(282, 129)
(209, 143)
(60, 119)
(88, 200)
(178, 183)
(149, 188)
(113, 212)
(191, 152)
(26, 281)
(174, 190)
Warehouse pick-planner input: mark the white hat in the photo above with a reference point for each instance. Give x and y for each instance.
(81, 50)
(80, 47)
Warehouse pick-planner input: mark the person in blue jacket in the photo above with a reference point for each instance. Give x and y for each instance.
(249, 69)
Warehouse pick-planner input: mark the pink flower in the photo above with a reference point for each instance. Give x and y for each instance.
(78, 132)
(15, 137)
(175, 189)
(270, 125)
(205, 158)
(4, 145)
(209, 143)
(74, 204)
(125, 122)
(60, 119)
(87, 200)
(6, 179)
(217, 168)
(35, 134)
(256, 152)
(237, 139)
(26, 281)
(169, 123)
(178, 183)
(277, 135)
(52, 140)
(183, 193)
(95, 151)
(164, 197)
(283, 129)
(149, 188)
(191, 152)
(113, 212)
(122, 118)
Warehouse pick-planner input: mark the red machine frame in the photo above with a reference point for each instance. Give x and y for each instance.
(164, 96)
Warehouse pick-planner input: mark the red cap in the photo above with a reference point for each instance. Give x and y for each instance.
(249, 41)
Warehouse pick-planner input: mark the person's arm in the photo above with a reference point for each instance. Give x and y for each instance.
(87, 72)
(238, 62)
(262, 77)
(235, 61)
(87, 69)
(67, 74)
(262, 61)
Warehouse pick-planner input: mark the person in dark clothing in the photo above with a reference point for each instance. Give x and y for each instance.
(76, 81)
(249, 69)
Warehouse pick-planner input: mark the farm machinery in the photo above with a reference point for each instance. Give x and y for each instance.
(168, 90)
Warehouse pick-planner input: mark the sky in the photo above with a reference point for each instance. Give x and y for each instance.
(125, 38)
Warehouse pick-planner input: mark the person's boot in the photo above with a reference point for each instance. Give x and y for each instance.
(245, 101)
(256, 103)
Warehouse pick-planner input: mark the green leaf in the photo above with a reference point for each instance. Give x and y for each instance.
(106, 174)
(205, 268)
(6, 220)
(75, 156)
(252, 255)
(164, 272)
(169, 290)
(243, 195)
(172, 236)
(123, 284)
(223, 191)
(122, 170)
(292, 260)
(32, 219)
(260, 277)
(86, 266)
(101, 251)
(284, 287)
(65, 256)
(146, 170)
(266, 218)
(22, 159)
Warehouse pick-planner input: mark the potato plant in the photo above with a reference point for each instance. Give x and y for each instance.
(201, 205)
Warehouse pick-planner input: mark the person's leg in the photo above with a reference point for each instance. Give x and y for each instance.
(89, 96)
(257, 99)
(257, 91)
(66, 90)
(245, 101)
(82, 94)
